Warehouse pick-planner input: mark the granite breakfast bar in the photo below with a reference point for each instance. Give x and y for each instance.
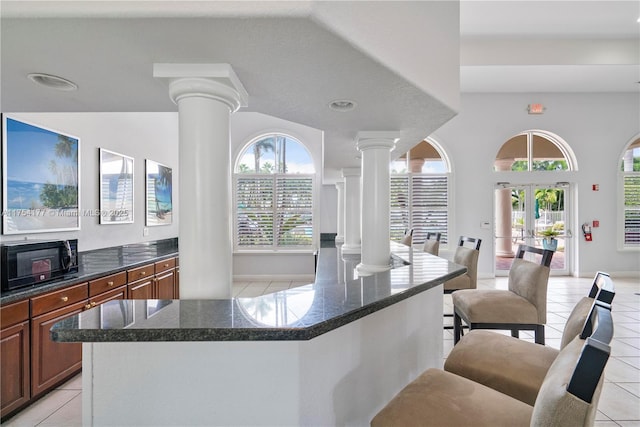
(328, 353)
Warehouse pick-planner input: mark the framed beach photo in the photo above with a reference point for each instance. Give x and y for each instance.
(40, 178)
(116, 188)
(159, 187)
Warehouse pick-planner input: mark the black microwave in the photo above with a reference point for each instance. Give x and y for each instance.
(27, 263)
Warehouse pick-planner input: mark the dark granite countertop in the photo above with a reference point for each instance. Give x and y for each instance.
(336, 298)
(101, 262)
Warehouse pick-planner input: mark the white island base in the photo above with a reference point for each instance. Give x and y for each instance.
(341, 378)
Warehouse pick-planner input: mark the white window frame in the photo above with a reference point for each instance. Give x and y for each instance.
(419, 228)
(274, 177)
(622, 245)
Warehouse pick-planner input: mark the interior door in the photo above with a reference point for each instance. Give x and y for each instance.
(522, 213)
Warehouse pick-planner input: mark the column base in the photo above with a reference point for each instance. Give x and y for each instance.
(351, 249)
(505, 254)
(369, 269)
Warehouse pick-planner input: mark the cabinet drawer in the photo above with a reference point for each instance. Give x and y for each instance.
(58, 299)
(140, 273)
(14, 313)
(107, 283)
(165, 265)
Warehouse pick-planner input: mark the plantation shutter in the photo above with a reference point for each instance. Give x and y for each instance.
(273, 211)
(294, 210)
(399, 206)
(632, 210)
(429, 206)
(254, 210)
(419, 201)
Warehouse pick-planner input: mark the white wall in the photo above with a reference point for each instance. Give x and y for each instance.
(596, 126)
(139, 135)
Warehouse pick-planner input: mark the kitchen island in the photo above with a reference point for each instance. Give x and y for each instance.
(328, 353)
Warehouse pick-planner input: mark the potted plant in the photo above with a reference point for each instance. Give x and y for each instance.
(549, 240)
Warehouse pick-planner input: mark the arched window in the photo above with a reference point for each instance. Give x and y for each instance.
(630, 178)
(419, 192)
(534, 151)
(273, 195)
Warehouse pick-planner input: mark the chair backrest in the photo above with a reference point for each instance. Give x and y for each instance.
(529, 279)
(571, 389)
(468, 256)
(407, 239)
(470, 242)
(602, 290)
(432, 243)
(546, 253)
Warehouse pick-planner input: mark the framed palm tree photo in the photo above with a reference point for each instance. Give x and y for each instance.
(40, 178)
(159, 194)
(116, 188)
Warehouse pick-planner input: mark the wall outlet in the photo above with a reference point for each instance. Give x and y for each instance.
(145, 231)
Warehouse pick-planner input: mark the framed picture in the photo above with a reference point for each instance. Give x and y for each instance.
(40, 178)
(116, 188)
(159, 199)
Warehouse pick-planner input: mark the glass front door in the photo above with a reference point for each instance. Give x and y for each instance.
(533, 215)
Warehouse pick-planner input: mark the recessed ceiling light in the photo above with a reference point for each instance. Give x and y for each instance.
(53, 82)
(342, 105)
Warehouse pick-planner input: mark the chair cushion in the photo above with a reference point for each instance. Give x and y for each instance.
(554, 404)
(529, 280)
(439, 398)
(509, 365)
(576, 320)
(493, 306)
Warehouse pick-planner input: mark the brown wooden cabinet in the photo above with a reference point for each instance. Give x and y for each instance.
(32, 364)
(165, 283)
(53, 362)
(154, 281)
(15, 387)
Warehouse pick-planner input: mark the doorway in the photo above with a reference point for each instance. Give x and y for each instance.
(523, 214)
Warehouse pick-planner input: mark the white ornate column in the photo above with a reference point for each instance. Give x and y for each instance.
(503, 209)
(206, 94)
(340, 213)
(376, 148)
(351, 210)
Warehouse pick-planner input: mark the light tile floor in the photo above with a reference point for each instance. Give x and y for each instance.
(619, 404)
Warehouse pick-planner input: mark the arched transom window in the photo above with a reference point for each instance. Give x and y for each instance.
(273, 195)
(534, 151)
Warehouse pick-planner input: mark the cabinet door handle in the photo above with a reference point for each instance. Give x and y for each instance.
(87, 306)
(110, 283)
(64, 299)
(93, 303)
(166, 265)
(142, 273)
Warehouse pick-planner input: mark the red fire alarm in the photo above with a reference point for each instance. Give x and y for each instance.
(596, 223)
(535, 108)
(595, 187)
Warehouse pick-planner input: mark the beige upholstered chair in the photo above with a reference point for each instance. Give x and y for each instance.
(407, 239)
(568, 396)
(522, 307)
(516, 367)
(467, 254)
(432, 243)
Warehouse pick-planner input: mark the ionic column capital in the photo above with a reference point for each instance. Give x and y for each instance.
(213, 81)
(366, 140)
